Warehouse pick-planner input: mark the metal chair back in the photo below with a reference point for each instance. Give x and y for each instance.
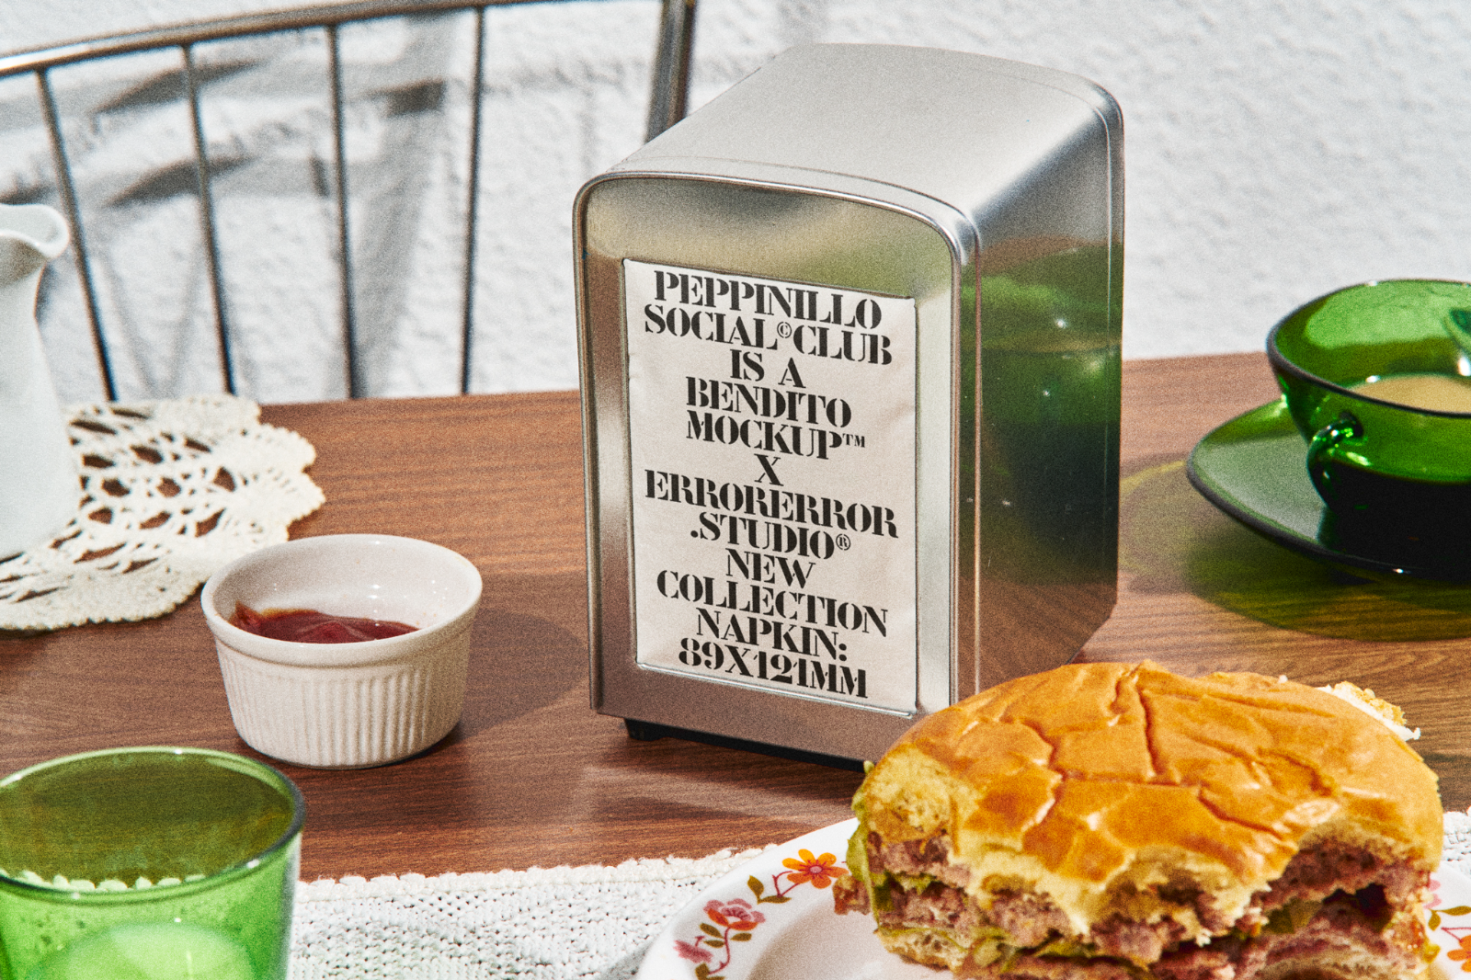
(668, 93)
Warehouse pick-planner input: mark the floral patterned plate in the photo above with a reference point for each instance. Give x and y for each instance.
(773, 919)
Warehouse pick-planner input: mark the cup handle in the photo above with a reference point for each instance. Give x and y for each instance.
(1323, 449)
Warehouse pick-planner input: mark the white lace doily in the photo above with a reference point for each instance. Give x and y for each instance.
(170, 491)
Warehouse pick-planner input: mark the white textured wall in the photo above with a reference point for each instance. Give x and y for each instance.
(1275, 149)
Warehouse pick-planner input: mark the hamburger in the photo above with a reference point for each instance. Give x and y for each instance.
(1118, 822)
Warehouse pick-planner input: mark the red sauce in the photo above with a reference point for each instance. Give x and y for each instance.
(310, 626)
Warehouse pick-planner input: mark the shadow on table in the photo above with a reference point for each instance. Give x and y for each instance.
(503, 683)
(1171, 539)
(519, 661)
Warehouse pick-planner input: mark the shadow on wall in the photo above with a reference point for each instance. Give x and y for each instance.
(565, 96)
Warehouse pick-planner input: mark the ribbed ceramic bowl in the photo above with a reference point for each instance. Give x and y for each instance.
(347, 705)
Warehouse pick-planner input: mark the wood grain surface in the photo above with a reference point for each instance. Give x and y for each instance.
(533, 777)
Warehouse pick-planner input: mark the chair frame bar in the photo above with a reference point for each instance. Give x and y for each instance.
(78, 231)
(207, 220)
(472, 218)
(668, 100)
(353, 378)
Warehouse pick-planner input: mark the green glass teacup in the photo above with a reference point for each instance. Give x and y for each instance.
(148, 864)
(1378, 385)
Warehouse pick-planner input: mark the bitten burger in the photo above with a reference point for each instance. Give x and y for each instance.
(1119, 822)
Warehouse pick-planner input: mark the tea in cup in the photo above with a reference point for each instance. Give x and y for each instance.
(1380, 388)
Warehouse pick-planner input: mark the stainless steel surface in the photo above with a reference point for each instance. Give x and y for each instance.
(990, 193)
(668, 96)
(743, 229)
(975, 133)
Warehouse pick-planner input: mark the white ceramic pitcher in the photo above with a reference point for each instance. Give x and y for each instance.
(39, 490)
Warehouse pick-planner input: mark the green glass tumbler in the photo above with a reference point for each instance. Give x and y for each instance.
(148, 863)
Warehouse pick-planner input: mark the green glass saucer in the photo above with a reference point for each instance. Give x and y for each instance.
(1254, 468)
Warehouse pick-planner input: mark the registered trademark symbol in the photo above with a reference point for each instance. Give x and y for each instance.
(844, 543)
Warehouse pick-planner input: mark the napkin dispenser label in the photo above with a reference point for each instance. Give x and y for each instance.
(771, 442)
(850, 376)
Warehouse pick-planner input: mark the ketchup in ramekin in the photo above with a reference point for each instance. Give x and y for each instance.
(310, 626)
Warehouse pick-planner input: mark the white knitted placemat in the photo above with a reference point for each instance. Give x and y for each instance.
(1457, 851)
(590, 923)
(549, 924)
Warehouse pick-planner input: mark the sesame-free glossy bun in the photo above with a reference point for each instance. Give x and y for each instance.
(1089, 779)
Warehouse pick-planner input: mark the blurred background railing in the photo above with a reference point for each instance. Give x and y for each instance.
(296, 195)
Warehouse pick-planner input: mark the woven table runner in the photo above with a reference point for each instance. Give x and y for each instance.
(549, 924)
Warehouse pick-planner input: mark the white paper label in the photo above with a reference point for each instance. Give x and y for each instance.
(772, 442)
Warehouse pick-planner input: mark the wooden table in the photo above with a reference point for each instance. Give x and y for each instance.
(533, 777)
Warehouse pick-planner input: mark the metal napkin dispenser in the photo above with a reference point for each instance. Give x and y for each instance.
(850, 379)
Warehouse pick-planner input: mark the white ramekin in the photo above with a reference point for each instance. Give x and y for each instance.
(347, 705)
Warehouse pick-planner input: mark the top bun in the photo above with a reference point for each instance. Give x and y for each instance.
(1096, 781)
